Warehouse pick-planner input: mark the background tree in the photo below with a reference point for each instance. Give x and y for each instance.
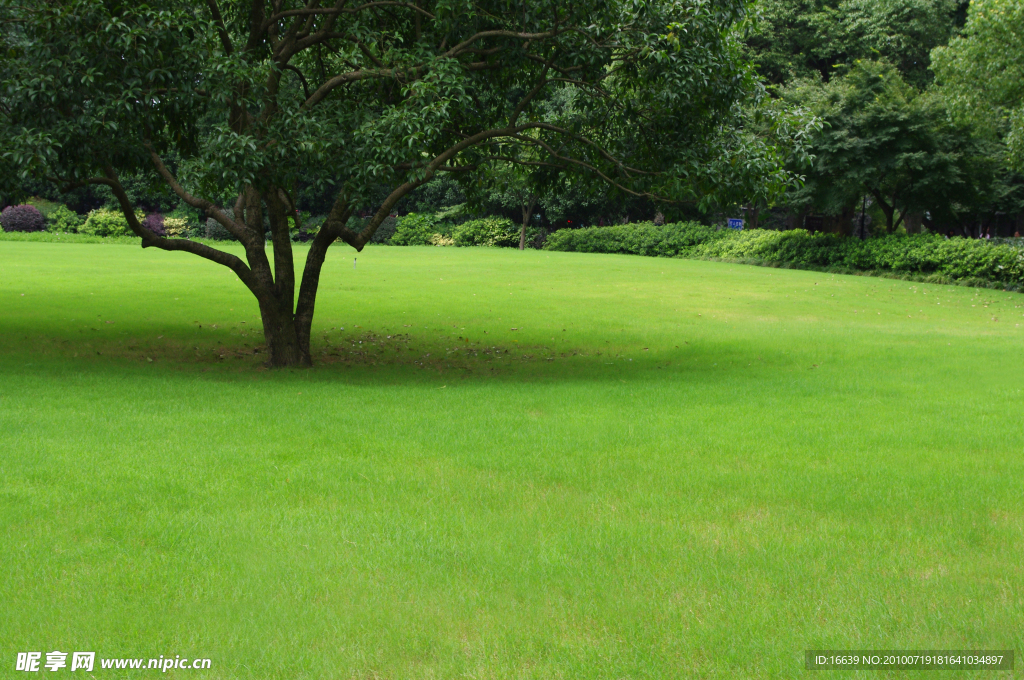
(884, 138)
(516, 187)
(982, 73)
(258, 96)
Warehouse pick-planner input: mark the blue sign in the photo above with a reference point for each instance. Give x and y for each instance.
(735, 222)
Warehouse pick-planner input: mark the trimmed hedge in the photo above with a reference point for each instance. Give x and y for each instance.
(954, 260)
(642, 238)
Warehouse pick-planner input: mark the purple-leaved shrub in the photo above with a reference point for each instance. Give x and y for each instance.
(155, 223)
(22, 218)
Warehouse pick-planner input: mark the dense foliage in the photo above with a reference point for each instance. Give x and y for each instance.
(956, 259)
(799, 39)
(982, 72)
(885, 139)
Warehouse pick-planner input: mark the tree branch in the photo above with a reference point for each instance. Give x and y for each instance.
(541, 82)
(346, 10)
(149, 239)
(583, 164)
(458, 49)
(235, 229)
(222, 31)
(305, 85)
(341, 79)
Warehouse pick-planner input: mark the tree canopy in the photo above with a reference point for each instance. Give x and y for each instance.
(798, 38)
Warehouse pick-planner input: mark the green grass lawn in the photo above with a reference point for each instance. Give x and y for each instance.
(506, 465)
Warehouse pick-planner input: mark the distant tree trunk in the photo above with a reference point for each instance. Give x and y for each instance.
(795, 220)
(889, 210)
(913, 222)
(527, 214)
(845, 226)
(753, 213)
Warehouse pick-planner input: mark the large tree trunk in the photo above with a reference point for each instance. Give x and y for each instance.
(285, 346)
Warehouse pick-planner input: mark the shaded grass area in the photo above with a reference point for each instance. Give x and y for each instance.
(668, 469)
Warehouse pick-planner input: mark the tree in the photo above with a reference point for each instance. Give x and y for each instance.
(884, 138)
(256, 96)
(515, 188)
(982, 72)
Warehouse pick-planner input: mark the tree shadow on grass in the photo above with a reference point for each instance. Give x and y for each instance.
(363, 357)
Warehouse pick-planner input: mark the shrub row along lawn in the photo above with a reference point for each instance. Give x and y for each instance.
(930, 257)
(506, 465)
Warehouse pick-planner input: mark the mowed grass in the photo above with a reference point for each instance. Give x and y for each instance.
(558, 466)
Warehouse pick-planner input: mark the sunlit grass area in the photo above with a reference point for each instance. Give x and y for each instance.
(505, 465)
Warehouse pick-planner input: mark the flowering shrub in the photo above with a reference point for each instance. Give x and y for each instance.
(22, 218)
(177, 227)
(441, 240)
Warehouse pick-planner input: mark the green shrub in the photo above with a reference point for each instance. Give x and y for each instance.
(416, 229)
(489, 231)
(45, 206)
(385, 231)
(106, 223)
(922, 255)
(213, 229)
(311, 225)
(452, 226)
(63, 220)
